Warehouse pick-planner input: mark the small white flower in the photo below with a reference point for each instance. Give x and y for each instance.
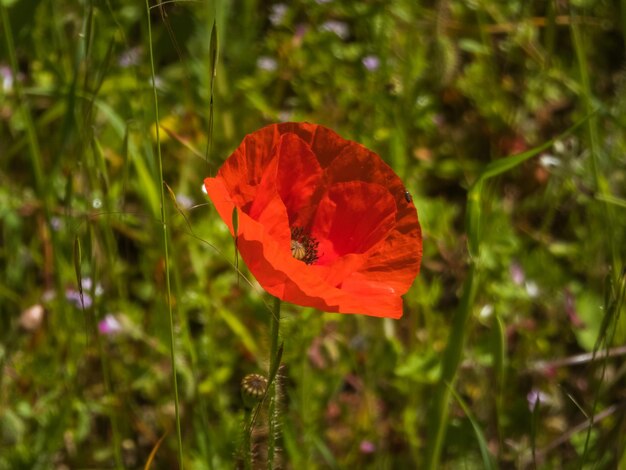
(532, 289)
(486, 311)
(338, 27)
(549, 161)
(266, 63)
(559, 146)
(184, 201)
(277, 14)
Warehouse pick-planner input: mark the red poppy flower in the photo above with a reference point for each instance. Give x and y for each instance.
(322, 221)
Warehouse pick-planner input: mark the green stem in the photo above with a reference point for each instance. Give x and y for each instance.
(438, 418)
(601, 183)
(106, 374)
(273, 415)
(165, 246)
(247, 438)
(274, 326)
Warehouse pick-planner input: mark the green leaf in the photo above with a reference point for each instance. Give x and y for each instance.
(488, 462)
(240, 330)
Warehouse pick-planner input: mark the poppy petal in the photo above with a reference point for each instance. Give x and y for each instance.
(299, 173)
(351, 218)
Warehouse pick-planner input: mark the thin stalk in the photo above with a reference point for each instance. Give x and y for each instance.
(273, 414)
(106, 375)
(601, 187)
(165, 245)
(274, 327)
(438, 419)
(601, 184)
(247, 439)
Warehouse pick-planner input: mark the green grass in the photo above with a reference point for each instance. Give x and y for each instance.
(505, 121)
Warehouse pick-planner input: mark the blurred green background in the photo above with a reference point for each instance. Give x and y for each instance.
(440, 89)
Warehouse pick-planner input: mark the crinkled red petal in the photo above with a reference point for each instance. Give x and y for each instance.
(353, 202)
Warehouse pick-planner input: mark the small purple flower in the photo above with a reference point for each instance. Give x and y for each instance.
(301, 30)
(109, 325)
(266, 63)
(130, 57)
(570, 309)
(73, 296)
(6, 78)
(371, 62)
(277, 13)
(56, 223)
(439, 120)
(338, 27)
(535, 397)
(517, 273)
(367, 447)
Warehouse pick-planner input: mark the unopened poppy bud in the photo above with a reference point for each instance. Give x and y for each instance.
(253, 388)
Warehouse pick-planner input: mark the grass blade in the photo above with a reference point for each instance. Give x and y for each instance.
(213, 73)
(153, 452)
(77, 266)
(165, 247)
(480, 437)
(533, 430)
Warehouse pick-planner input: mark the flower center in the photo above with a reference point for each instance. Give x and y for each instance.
(303, 247)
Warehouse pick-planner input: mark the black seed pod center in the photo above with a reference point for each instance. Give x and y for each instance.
(303, 246)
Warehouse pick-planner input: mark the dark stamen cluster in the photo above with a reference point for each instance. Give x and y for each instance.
(307, 243)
